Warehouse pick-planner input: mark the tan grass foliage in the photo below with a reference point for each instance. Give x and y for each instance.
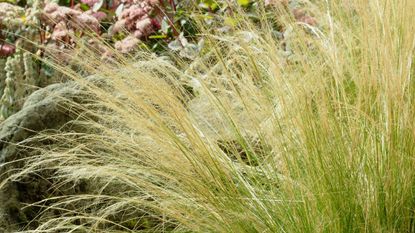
(321, 141)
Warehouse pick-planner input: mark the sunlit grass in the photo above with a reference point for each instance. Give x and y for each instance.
(321, 142)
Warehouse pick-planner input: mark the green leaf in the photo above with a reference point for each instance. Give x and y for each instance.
(84, 7)
(209, 4)
(243, 2)
(119, 9)
(9, 1)
(165, 25)
(97, 5)
(183, 39)
(175, 45)
(158, 37)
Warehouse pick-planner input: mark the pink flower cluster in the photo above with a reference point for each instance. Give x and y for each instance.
(65, 21)
(6, 50)
(135, 19)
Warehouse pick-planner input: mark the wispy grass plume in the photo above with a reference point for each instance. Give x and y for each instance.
(321, 140)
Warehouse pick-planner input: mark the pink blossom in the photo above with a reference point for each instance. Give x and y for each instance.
(83, 21)
(153, 2)
(133, 12)
(69, 12)
(98, 15)
(60, 32)
(53, 13)
(6, 50)
(144, 25)
(155, 23)
(138, 34)
(50, 7)
(135, 18)
(127, 45)
(118, 26)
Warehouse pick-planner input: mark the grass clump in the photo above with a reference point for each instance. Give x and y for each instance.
(320, 140)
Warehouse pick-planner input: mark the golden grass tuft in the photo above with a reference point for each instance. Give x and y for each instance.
(322, 141)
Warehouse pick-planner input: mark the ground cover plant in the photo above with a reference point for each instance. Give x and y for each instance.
(309, 128)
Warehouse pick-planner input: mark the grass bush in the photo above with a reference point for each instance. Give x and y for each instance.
(320, 141)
